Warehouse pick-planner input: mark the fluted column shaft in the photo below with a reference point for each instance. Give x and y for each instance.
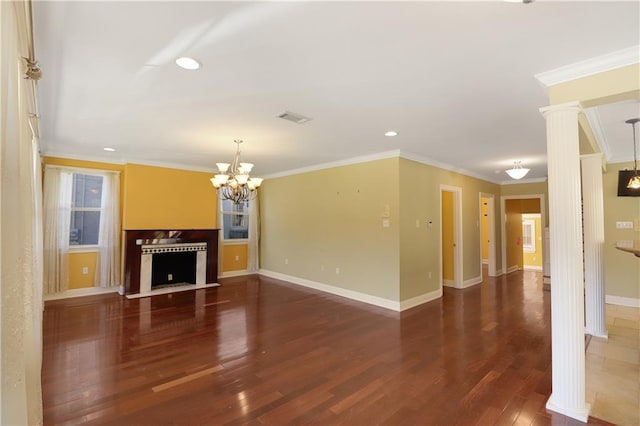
(567, 286)
(593, 211)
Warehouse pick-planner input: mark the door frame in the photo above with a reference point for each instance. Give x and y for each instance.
(503, 209)
(457, 235)
(491, 230)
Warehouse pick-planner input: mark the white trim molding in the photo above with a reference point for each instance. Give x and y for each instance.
(511, 269)
(532, 268)
(593, 117)
(471, 282)
(238, 273)
(79, 292)
(421, 299)
(622, 301)
(385, 155)
(610, 61)
(381, 302)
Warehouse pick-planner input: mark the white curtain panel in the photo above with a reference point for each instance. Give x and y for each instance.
(58, 184)
(253, 246)
(108, 260)
(20, 256)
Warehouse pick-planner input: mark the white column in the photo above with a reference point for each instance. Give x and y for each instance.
(567, 290)
(593, 211)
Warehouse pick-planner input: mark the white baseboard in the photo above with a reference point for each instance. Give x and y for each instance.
(239, 273)
(471, 282)
(466, 283)
(355, 295)
(449, 283)
(622, 301)
(419, 300)
(532, 268)
(79, 292)
(511, 269)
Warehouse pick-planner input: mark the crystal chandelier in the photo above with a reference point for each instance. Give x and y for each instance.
(233, 181)
(518, 172)
(634, 182)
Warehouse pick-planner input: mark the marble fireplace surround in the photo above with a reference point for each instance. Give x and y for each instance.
(140, 245)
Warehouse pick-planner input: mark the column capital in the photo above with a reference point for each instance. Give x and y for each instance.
(598, 156)
(567, 106)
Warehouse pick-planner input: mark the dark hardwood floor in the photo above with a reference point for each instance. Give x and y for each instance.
(261, 351)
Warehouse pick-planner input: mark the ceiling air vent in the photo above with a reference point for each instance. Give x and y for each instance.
(292, 116)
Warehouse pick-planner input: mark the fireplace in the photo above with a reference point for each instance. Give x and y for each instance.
(164, 258)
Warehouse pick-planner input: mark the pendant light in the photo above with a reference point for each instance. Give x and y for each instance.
(634, 182)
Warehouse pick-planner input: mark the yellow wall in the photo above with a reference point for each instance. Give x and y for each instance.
(163, 198)
(420, 246)
(318, 222)
(534, 259)
(234, 257)
(523, 189)
(315, 222)
(484, 231)
(153, 198)
(621, 270)
(447, 236)
(611, 86)
(513, 227)
(77, 261)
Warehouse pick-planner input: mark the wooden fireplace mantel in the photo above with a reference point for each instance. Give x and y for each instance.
(135, 238)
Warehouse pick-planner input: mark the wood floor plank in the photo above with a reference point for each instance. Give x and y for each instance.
(261, 351)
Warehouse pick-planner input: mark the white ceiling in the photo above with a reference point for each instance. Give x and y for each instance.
(456, 80)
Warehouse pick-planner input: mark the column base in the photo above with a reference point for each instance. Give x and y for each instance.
(580, 414)
(599, 334)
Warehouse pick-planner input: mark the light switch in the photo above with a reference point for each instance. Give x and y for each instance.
(386, 223)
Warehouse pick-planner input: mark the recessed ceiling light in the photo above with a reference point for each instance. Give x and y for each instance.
(391, 133)
(187, 63)
(108, 149)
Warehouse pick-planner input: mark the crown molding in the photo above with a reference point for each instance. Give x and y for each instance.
(593, 117)
(381, 156)
(339, 163)
(613, 60)
(445, 166)
(520, 181)
(122, 161)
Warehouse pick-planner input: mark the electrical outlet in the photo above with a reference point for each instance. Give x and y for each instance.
(337, 271)
(237, 258)
(170, 277)
(624, 225)
(286, 261)
(417, 223)
(85, 270)
(429, 274)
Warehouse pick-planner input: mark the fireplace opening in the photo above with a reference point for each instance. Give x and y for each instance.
(173, 268)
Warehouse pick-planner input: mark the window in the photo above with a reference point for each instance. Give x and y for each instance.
(529, 236)
(86, 199)
(235, 220)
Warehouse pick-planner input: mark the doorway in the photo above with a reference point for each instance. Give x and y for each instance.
(451, 236)
(514, 212)
(487, 234)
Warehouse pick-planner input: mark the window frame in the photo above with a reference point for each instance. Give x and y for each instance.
(223, 213)
(78, 248)
(531, 234)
